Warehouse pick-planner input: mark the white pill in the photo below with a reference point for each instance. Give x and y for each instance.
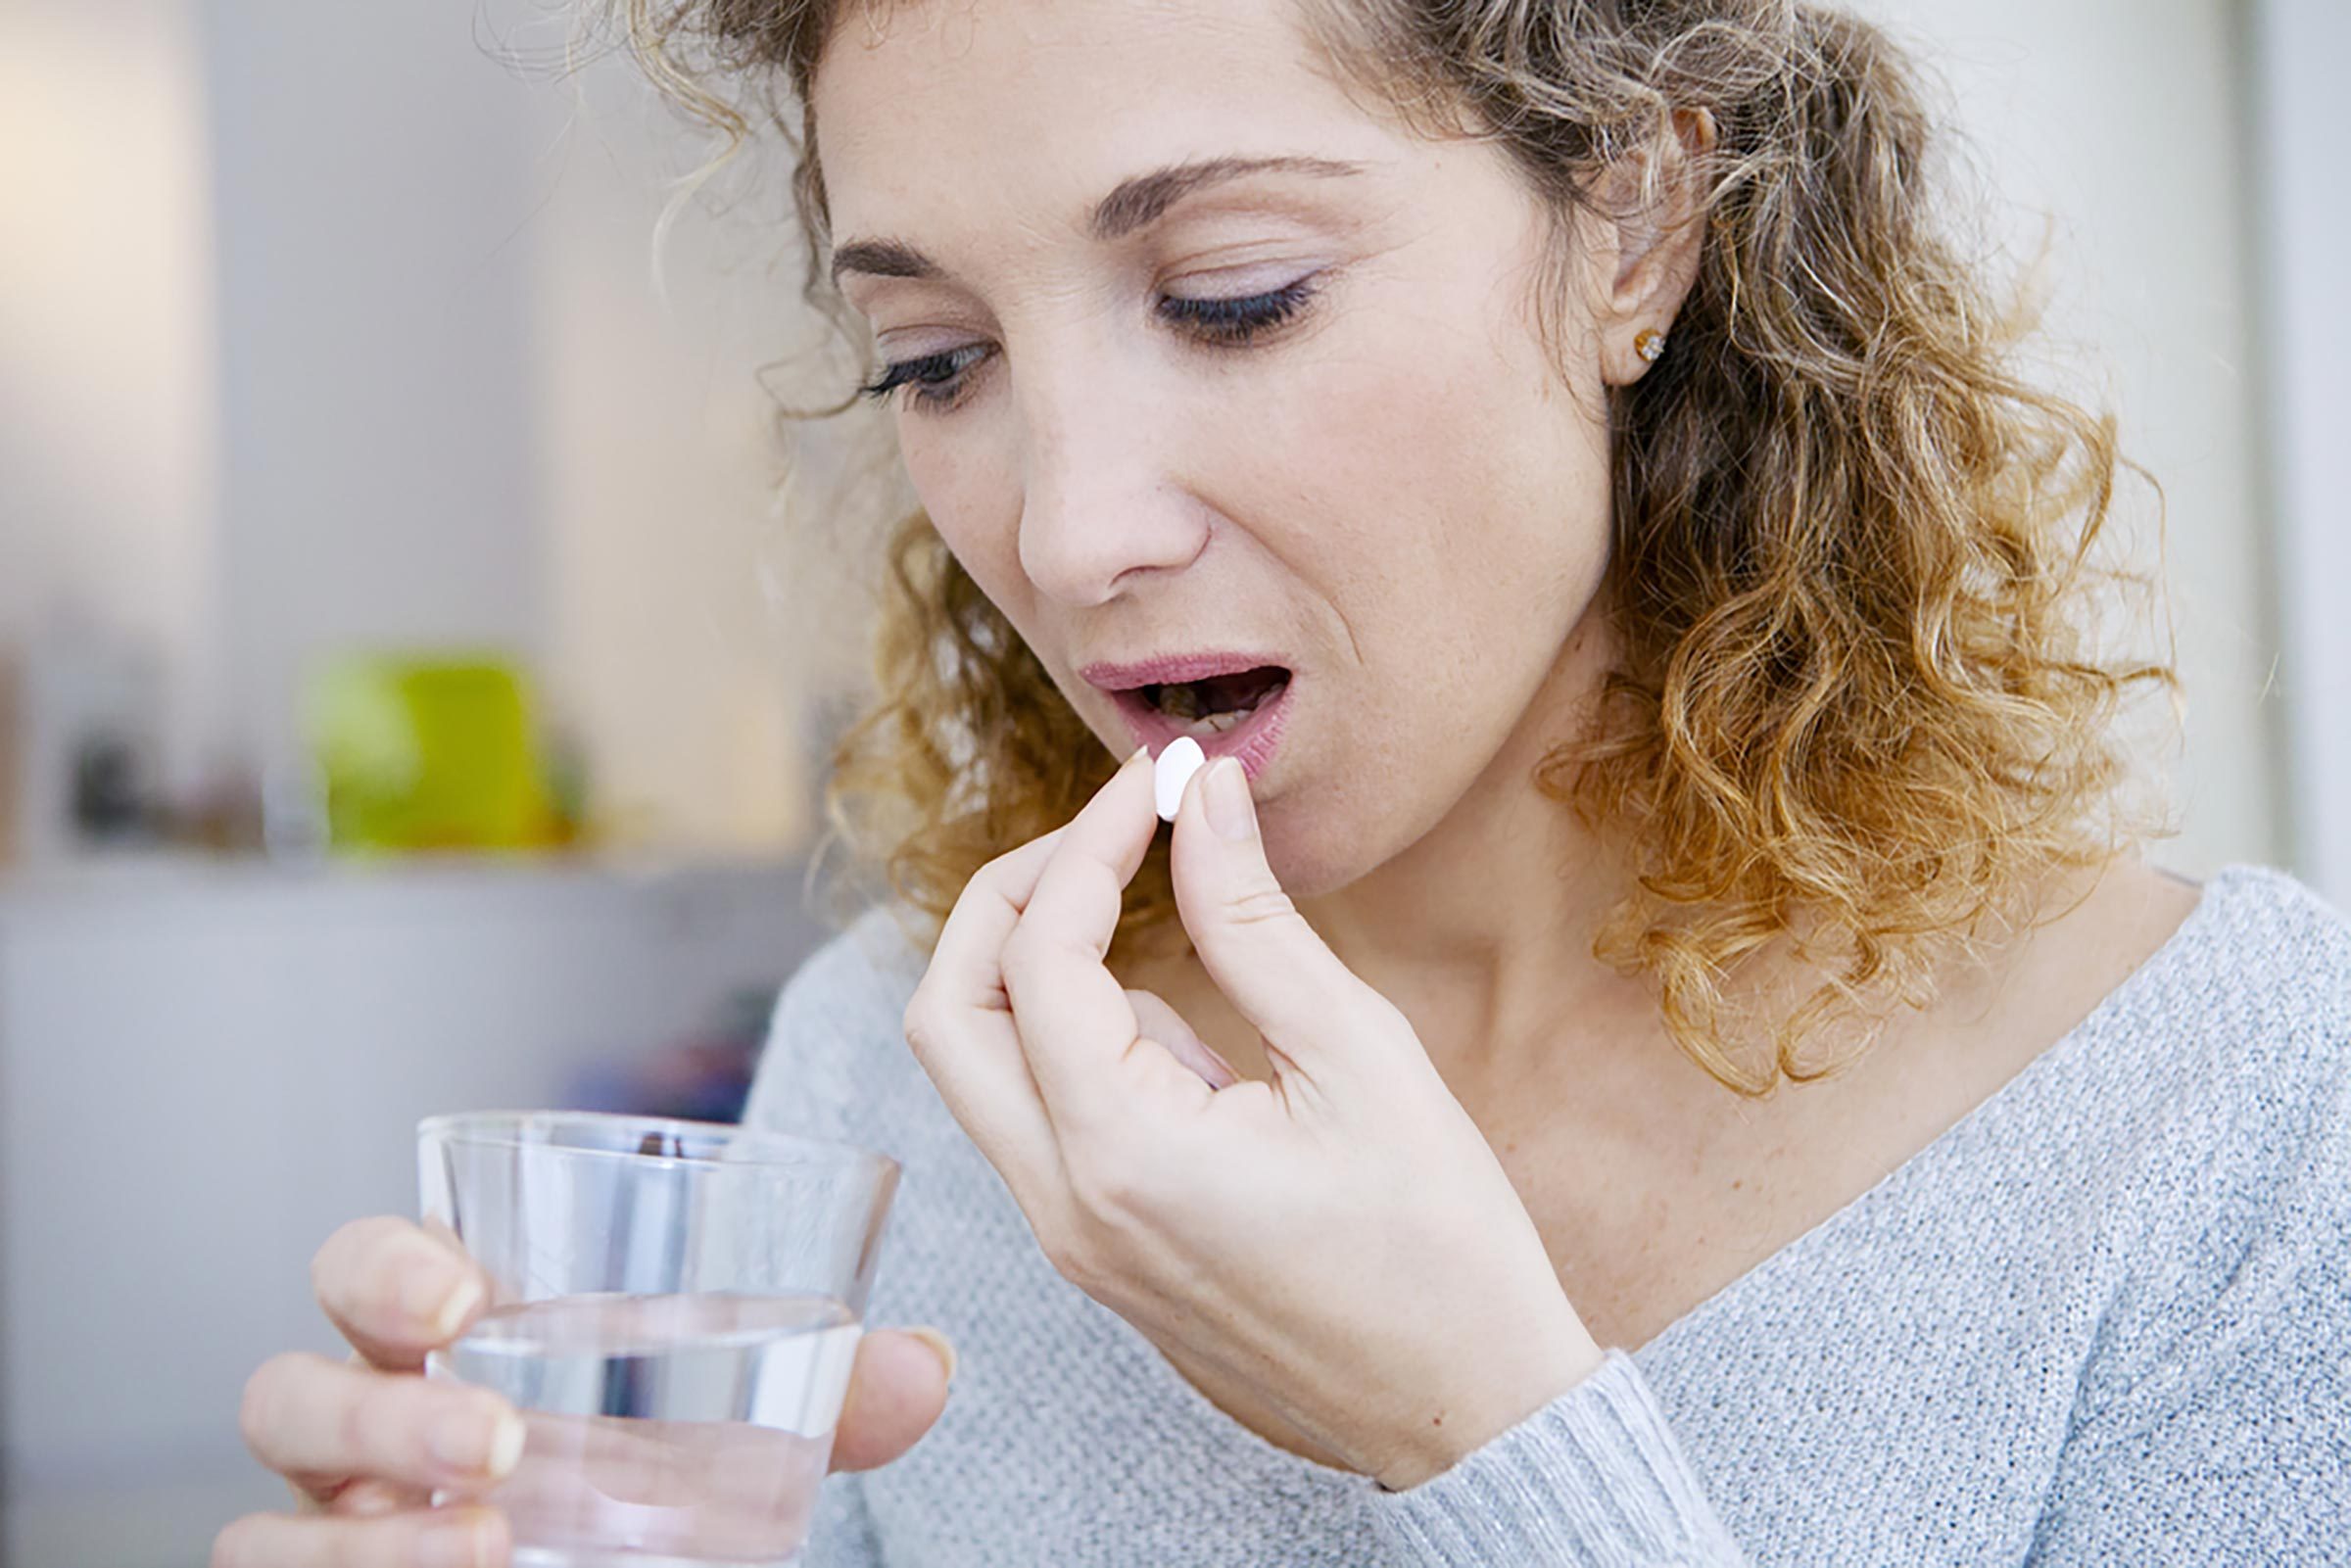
(1174, 770)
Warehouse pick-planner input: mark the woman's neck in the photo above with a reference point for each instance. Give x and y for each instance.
(1482, 930)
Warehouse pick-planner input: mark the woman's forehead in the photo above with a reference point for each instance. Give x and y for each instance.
(1038, 109)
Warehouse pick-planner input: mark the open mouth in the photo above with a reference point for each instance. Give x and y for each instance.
(1233, 704)
(1219, 705)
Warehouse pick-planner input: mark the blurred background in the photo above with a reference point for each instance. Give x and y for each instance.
(413, 677)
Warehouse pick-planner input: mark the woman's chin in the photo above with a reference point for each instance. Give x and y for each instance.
(1309, 864)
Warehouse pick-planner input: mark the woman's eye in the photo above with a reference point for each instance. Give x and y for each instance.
(1237, 320)
(935, 382)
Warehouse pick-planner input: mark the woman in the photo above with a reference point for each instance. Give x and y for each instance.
(1649, 1044)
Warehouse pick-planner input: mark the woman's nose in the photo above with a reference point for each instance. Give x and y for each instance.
(1099, 505)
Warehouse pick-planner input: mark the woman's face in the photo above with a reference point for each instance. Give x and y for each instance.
(1274, 457)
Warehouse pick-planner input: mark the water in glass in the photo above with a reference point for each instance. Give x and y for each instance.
(664, 1431)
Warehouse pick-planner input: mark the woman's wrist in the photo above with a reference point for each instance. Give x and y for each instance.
(1508, 1391)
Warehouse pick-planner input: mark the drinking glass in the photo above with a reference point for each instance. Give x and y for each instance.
(674, 1308)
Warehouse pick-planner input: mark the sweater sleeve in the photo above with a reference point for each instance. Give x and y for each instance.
(2232, 1440)
(1595, 1477)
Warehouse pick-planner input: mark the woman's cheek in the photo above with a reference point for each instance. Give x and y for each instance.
(975, 508)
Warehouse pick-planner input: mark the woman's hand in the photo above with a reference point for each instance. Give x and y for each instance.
(1340, 1240)
(366, 1441)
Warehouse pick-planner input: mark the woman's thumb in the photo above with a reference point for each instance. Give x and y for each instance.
(1250, 936)
(897, 1389)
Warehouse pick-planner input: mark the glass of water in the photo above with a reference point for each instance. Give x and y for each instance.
(675, 1307)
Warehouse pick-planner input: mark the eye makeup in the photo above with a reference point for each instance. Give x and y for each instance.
(935, 382)
(926, 377)
(1237, 320)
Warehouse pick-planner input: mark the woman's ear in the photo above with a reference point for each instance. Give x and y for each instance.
(1660, 230)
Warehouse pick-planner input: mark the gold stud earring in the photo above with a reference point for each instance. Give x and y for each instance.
(1650, 344)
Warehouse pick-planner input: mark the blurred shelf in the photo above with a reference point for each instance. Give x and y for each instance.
(164, 874)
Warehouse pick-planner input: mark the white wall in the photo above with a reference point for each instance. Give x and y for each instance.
(2119, 123)
(334, 326)
(370, 172)
(658, 461)
(2297, 74)
(108, 423)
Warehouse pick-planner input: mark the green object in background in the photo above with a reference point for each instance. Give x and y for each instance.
(429, 753)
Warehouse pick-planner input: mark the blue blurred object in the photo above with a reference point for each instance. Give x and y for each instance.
(706, 1076)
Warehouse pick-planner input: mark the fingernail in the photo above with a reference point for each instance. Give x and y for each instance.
(457, 1307)
(464, 1441)
(505, 1444)
(371, 1499)
(940, 1344)
(442, 1297)
(453, 1544)
(1225, 793)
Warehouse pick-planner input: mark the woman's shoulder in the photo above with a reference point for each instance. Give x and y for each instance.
(836, 1058)
(2229, 1046)
(2208, 1107)
(2258, 977)
(2267, 905)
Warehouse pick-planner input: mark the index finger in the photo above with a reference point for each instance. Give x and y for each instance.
(1074, 1018)
(396, 1291)
(964, 968)
(959, 1023)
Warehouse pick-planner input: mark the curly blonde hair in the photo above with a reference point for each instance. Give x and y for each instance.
(1857, 714)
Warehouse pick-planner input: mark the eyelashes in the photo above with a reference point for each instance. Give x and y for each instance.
(1235, 321)
(930, 381)
(935, 382)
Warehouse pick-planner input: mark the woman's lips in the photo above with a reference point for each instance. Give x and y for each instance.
(1252, 740)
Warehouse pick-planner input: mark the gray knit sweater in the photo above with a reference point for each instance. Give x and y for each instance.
(2100, 1321)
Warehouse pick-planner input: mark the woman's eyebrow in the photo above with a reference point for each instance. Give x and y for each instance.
(1140, 201)
(1133, 204)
